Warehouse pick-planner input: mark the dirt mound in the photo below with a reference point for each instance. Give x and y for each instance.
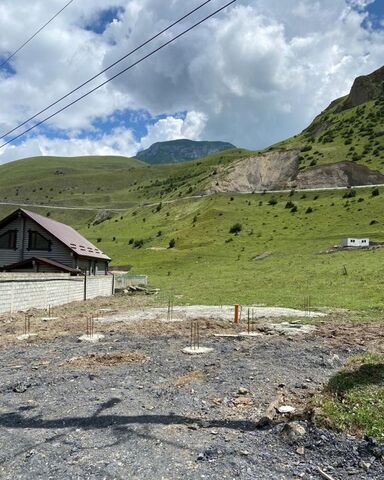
(271, 171)
(341, 174)
(280, 171)
(106, 359)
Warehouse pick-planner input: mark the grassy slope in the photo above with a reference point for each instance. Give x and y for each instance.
(209, 265)
(354, 398)
(106, 182)
(353, 134)
(206, 267)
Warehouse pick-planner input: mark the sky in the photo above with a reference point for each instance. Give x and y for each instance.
(255, 74)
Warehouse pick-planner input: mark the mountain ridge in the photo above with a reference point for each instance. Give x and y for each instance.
(175, 151)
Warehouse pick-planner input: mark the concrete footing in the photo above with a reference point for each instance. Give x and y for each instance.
(197, 351)
(96, 337)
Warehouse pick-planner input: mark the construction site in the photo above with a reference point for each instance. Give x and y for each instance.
(120, 387)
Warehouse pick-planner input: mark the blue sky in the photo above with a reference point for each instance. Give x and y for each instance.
(256, 74)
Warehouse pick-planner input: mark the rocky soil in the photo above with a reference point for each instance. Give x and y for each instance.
(279, 170)
(135, 406)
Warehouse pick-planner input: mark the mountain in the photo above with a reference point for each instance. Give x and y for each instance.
(342, 147)
(180, 151)
(350, 129)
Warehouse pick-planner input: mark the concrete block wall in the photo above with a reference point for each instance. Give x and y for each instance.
(38, 290)
(99, 286)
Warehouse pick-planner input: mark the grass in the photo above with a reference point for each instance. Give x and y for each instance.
(354, 398)
(355, 134)
(97, 182)
(209, 265)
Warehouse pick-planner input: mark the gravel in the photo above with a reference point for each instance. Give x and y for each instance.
(157, 413)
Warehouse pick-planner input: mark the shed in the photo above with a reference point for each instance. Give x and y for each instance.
(355, 242)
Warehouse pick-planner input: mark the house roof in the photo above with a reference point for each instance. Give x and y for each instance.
(41, 261)
(64, 233)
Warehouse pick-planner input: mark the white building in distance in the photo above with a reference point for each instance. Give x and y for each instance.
(355, 242)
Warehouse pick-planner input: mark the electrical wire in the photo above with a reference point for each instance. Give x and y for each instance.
(105, 69)
(35, 34)
(119, 73)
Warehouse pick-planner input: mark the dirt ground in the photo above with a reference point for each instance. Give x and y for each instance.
(135, 406)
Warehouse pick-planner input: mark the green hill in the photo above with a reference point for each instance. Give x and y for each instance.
(351, 128)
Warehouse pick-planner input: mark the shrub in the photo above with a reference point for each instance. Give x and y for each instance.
(373, 222)
(350, 194)
(159, 233)
(131, 240)
(375, 192)
(236, 228)
(159, 206)
(306, 148)
(289, 204)
(309, 210)
(172, 243)
(98, 240)
(272, 201)
(138, 243)
(293, 209)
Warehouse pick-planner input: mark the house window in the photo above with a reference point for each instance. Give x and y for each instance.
(8, 240)
(38, 242)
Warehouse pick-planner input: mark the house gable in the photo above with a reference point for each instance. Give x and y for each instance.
(32, 235)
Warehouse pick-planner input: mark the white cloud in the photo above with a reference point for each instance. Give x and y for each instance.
(119, 142)
(254, 75)
(173, 128)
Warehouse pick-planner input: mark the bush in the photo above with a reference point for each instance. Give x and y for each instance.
(309, 210)
(306, 148)
(131, 240)
(98, 240)
(350, 194)
(138, 243)
(375, 192)
(293, 209)
(236, 228)
(272, 201)
(172, 243)
(289, 204)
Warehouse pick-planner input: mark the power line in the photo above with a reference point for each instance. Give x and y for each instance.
(35, 34)
(105, 69)
(120, 73)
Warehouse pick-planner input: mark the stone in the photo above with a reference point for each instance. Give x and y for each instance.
(300, 450)
(293, 431)
(264, 422)
(286, 409)
(21, 387)
(243, 391)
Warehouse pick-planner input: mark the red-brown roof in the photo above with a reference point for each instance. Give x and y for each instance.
(64, 233)
(43, 261)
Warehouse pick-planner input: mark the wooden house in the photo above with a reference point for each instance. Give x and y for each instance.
(32, 243)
